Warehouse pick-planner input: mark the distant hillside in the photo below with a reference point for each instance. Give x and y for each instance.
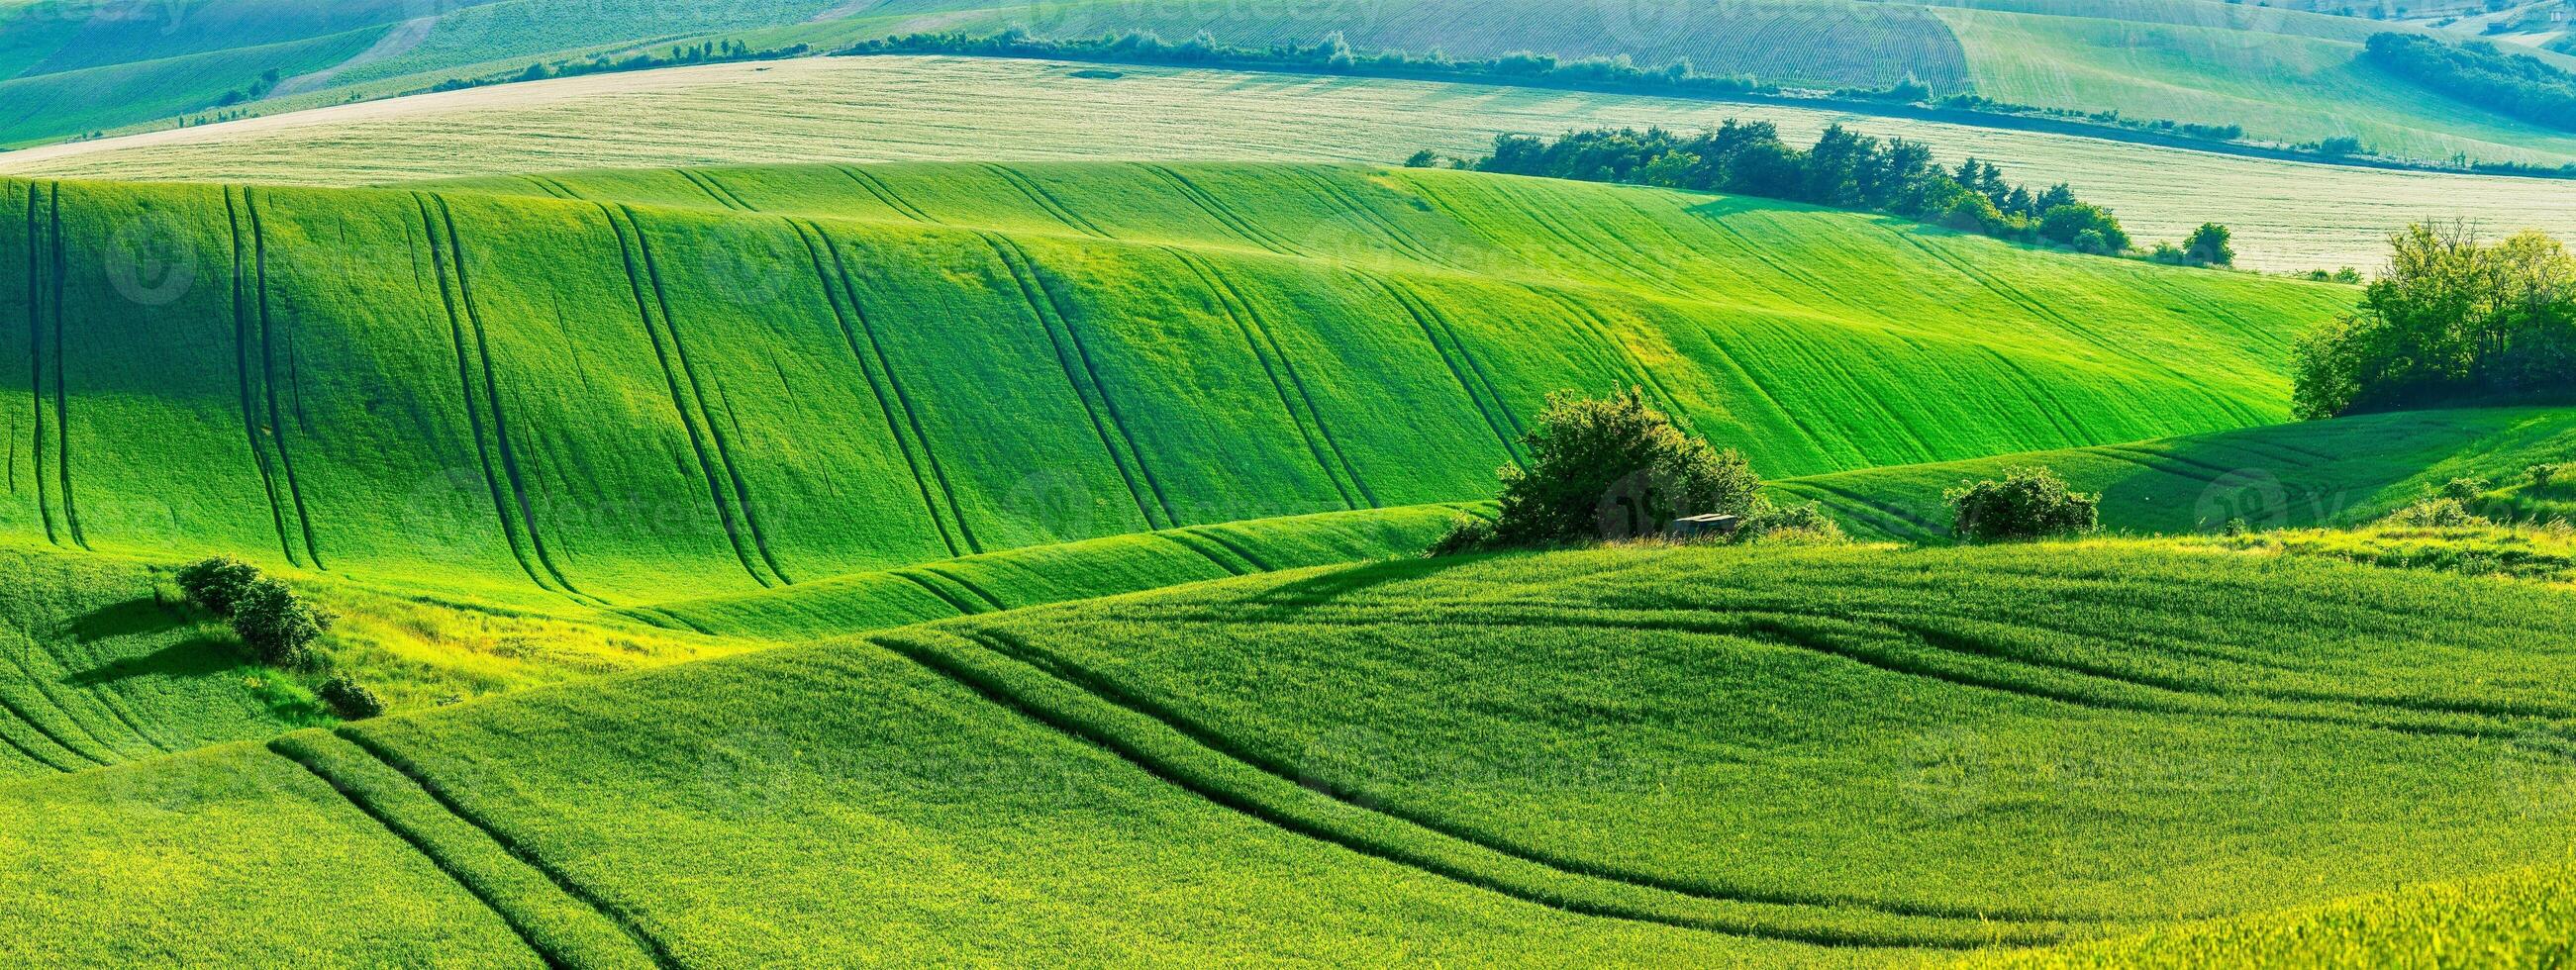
(1483, 760)
(634, 385)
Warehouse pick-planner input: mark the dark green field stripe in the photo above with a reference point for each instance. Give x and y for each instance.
(2048, 405)
(1462, 365)
(1187, 756)
(968, 585)
(1274, 362)
(1199, 546)
(955, 600)
(36, 287)
(2208, 471)
(543, 186)
(625, 921)
(1590, 322)
(713, 191)
(902, 427)
(637, 278)
(560, 186)
(268, 370)
(1234, 547)
(242, 322)
(1795, 341)
(14, 719)
(1222, 213)
(1047, 201)
(45, 689)
(515, 513)
(885, 193)
(1342, 196)
(1538, 210)
(1075, 359)
(1912, 524)
(59, 739)
(62, 397)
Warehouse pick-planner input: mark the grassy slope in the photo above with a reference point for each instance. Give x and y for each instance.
(911, 363)
(2327, 473)
(1650, 746)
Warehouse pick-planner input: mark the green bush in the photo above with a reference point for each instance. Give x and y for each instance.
(279, 626)
(2545, 476)
(350, 699)
(1805, 522)
(2436, 513)
(1615, 468)
(2029, 503)
(1465, 535)
(218, 583)
(2463, 489)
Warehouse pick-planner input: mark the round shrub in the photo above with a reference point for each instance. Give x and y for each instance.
(351, 700)
(2436, 513)
(1803, 523)
(1465, 535)
(2030, 503)
(1615, 468)
(279, 626)
(218, 583)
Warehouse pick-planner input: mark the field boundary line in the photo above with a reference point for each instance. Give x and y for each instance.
(881, 383)
(644, 309)
(241, 354)
(1309, 422)
(1085, 378)
(268, 384)
(625, 921)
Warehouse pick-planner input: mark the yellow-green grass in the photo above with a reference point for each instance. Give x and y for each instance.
(2286, 216)
(1613, 756)
(693, 383)
(2327, 473)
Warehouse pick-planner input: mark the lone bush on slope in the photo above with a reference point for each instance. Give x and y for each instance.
(2030, 503)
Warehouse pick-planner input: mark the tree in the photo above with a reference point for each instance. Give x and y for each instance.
(2452, 319)
(1614, 468)
(2030, 503)
(217, 584)
(2085, 226)
(278, 625)
(2208, 246)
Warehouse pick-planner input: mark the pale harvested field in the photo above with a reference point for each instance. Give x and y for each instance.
(2286, 215)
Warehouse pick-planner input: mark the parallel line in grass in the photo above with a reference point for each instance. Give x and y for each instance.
(2050, 406)
(636, 279)
(1823, 292)
(1237, 548)
(1224, 214)
(1187, 539)
(1396, 236)
(1797, 416)
(501, 512)
(1655, 265)
(59, 739)
(1339, 819)
(625, 921)
(1462, 365)
(706, 183)
(45, 689)
(1591, 322)
(885, 194)
(62, 396)
(29, 751)
(36, 357)
(1075, 360)
(715, 429)
(878, 376)
(2214, 471)
(436, 855)
(268, 383)
(945, 595)
(542, 186)
(1301, 406)
(1792, 341)
(1538, 214)
(241, 363)
(965, 584)
(500, 429)
(1082, 678)
(1842, 503)
(560, 186)
(1047, 202)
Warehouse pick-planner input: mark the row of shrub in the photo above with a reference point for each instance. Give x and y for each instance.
(1842, 169)
(2453, 319)
(280, 627)
(2478, 72)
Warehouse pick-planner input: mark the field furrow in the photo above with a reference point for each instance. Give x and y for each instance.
(1079, 370)
(275, 425)
(516, 528)
(244, 319)
(901, 425)
(1282, 375)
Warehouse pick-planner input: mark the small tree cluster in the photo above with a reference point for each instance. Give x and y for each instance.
(278, 626)
(2029, 503)
(2452, 319)
(350, 699)
(1608, 468)
(2436, 513)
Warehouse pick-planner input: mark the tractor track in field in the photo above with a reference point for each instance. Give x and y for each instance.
(2048, 405)
(36, 267)
(715, 190)
(715, 436)
(241, 281)
(1274, 361)
(16, 709)
(1226, 557)
(1909, 523)
(885, 194)
(1237, 548)
(1047, 202)
(1084, 375)
(636, 277)
(268, 382)
(1541, 875)
(1403, 241)
(901, 424)
(970, 586)
(62, 396)
(633, 928)
(518, 503)
(943, 593)
(1626, 357)
(55, 701)
(1409, 303)
(1224, 214)
(1231, 567)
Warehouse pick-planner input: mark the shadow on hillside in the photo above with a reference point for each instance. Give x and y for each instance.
(183, 658)
(1338, 584)
(134, 617)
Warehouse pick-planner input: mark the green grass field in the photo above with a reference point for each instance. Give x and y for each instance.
(1471, 760)
(636, 386)
(2333, 473)
(2286, 216)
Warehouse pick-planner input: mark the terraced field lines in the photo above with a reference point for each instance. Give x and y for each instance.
(243, 314)
(1299, 404)
(1075, 359)
(626, 922)
(1471, 378)
(483, 411)
(268, 381)
(901, 424)
(639, 277)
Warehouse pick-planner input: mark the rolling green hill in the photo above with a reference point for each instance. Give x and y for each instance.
(2328, 473)
(645, 385)
(1838, 756)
